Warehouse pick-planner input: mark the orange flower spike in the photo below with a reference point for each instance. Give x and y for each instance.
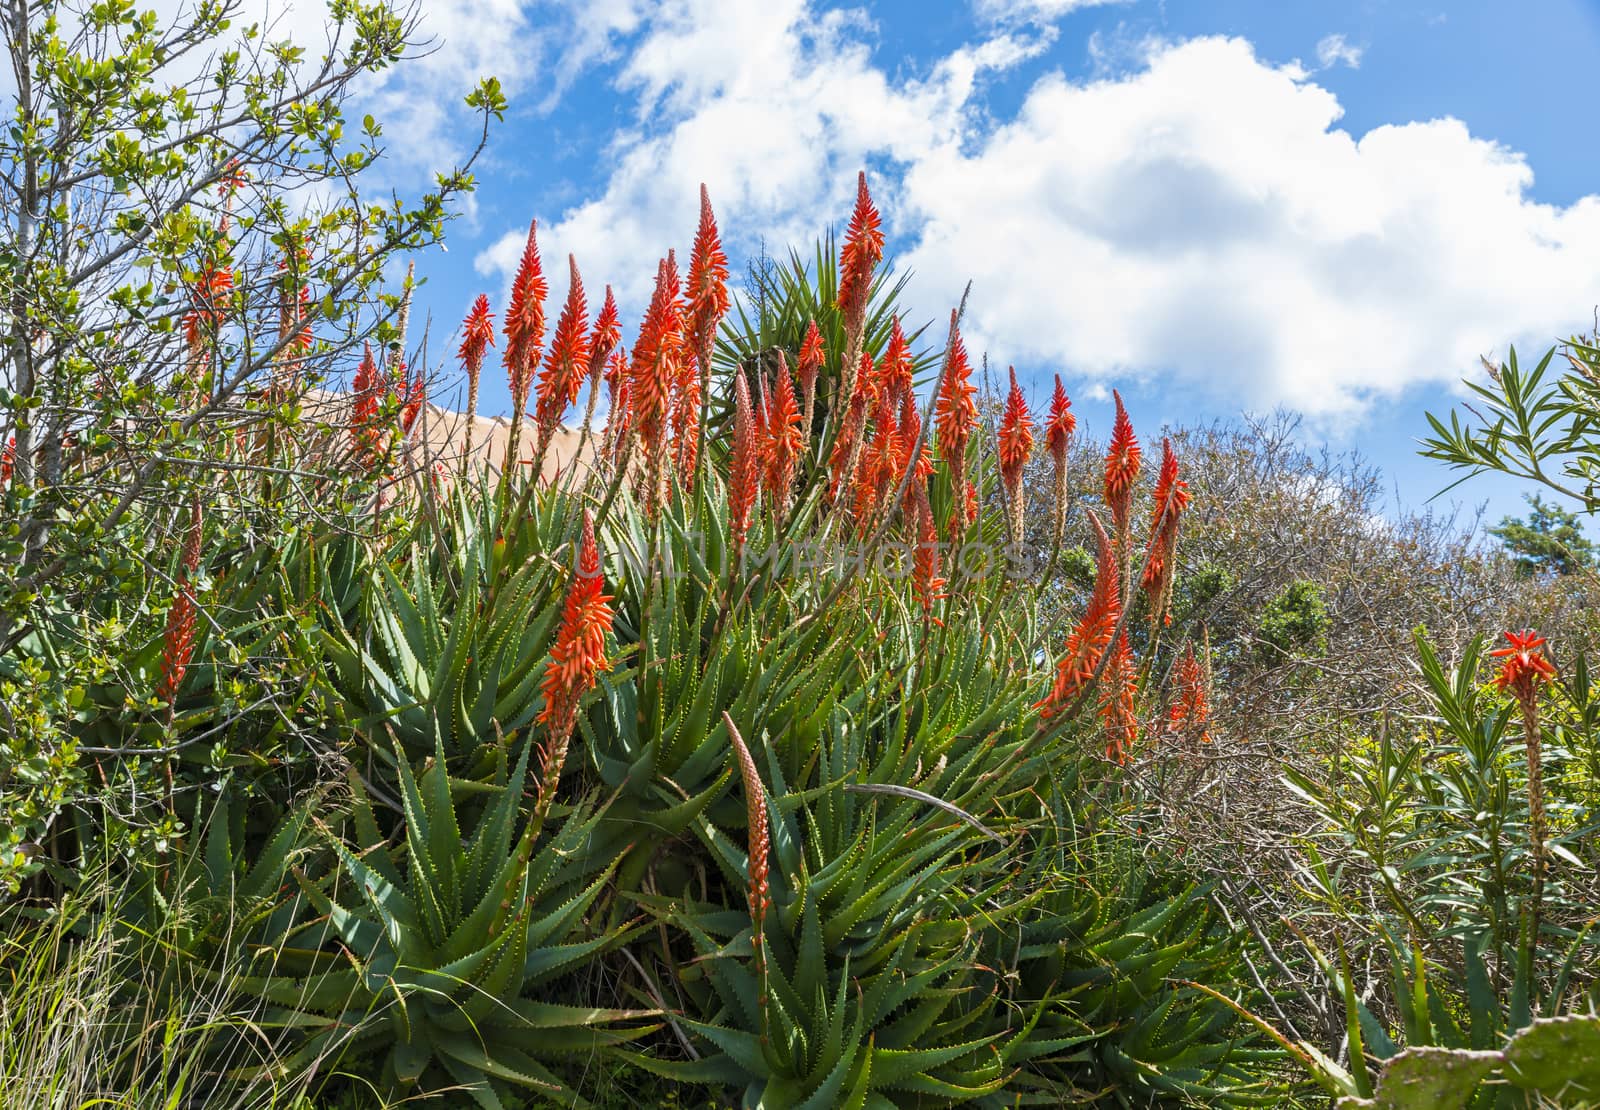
(1060, 425)
(910, 430)
(808, 365)
(1526, 667)
(759, 845)
(1015, 447)
(707, 284)
(863, 248)
(618, 420)
(477, 335)
(955, 414)
(1171, 498)
(846, 448)
(878, 470)
(1058, 431)
(925, 579)
(578, 654)
(177, 646)
(368, 389)
(744, 477)
(413, 393)
(209, 298)
(562, 376)
(785, 438)
(8, 457)
(1122, 471)
(606, 333)
(524, 322)
(1117, 710)
(1189, 714)
(576, 659)
(894, 370)
(1092, 634)
(653, 374)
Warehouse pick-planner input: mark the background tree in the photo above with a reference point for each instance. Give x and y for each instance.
(1550, 540)
(188, 251)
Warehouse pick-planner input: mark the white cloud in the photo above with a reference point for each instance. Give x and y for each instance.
(775, 108)
(1010, 11)
(1333, 50)
(1197, 217)
(1203, 219)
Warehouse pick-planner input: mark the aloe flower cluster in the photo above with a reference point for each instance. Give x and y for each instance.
(1524, 671)
(705, 303)
(177, 643)
(1171, 498)
(1058, 429)
(879, 468)
(477, 335)
(1015, 447)
(576, 659)
(566, 367)
(956, 417)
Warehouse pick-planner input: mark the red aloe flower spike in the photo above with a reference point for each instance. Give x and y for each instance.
(744, 478)
(1122, 471)
(8, 457)
(1171, 497)
(576, 660)
(603, 339)
(1526, 667)
(707, 288)
(1058, 431)
(1117, 693)
(1015, 446)
(925, 578)
(1190, 715)
(477, 334)
(910, 427)
(1525, 670)
(786, 441)
(879, 468)
(894, 370)
(847, 447)
(707, 285)
(606, 333)
(863, 248)
(365, 435)
(686, 420)
(616, 429)
(209, 298)
(955, 414)
(524, 329)
(177, 645)
(654, 371)
(759, 849)
(808, 364)
(1092, 634)
(565, 367)
(413, 393)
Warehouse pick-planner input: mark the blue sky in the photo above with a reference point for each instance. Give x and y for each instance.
(1215, 207)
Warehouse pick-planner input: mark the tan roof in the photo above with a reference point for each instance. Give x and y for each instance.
(439, 436)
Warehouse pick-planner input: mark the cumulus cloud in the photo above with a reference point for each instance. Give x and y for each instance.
(1202, 218)
(774, 107)
(1009, 11)
(1333, 50)
(1196, 216)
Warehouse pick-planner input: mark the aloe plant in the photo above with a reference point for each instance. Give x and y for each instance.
(441, 951)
